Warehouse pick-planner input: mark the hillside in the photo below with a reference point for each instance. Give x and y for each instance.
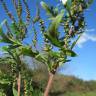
(65, 85)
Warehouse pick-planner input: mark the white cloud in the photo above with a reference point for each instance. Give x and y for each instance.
(84, 38)
(90, 30)
(63, 1)
(88, 9)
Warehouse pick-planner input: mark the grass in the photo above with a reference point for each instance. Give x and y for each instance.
(76, 94)
(62, 86)
(67, 94)
(79, 94)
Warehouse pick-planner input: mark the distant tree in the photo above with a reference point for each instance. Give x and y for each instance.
(65, 24)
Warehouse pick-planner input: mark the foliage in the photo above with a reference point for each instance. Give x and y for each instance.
(70, 19)
(65, 24)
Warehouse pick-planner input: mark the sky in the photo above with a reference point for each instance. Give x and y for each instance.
(84, 65)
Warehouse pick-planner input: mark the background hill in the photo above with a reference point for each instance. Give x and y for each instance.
(64, 85)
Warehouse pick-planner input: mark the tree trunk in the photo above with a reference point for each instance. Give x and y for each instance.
(19, 83)
(49, 84)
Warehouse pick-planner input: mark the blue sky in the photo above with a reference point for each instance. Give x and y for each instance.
(84, 65)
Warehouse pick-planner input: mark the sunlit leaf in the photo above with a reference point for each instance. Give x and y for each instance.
(54, 41)
(52, 30)
(15, 92)
(28, 51)
(74, 43)
(47, 8)
(68, 4)
(4, 37)
(52, 34)
(54, 54)
(37, 17)
(41, 58)
(70, 53)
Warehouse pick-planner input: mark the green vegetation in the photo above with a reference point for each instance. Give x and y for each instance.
(67, 85)
(16, 76)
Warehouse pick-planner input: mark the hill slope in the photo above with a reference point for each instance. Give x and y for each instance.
(65, 85)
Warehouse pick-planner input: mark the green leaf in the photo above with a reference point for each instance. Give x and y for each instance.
(54, 41)
(54, 54)
(63, 61)
(74, 43)
(67, 61)
(4, 38)
(28, 51)
(52, 34)
(46, 7)
(55, 25)
(15, 92)
(70, 53)
(14, 28)
(68, 4)
(13, 46)
(37, 17)
(5, 48)
(40, 58)
(89, 3)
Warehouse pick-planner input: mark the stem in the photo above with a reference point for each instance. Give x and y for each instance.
(19, 83)
(24, 87)
(49, 84)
